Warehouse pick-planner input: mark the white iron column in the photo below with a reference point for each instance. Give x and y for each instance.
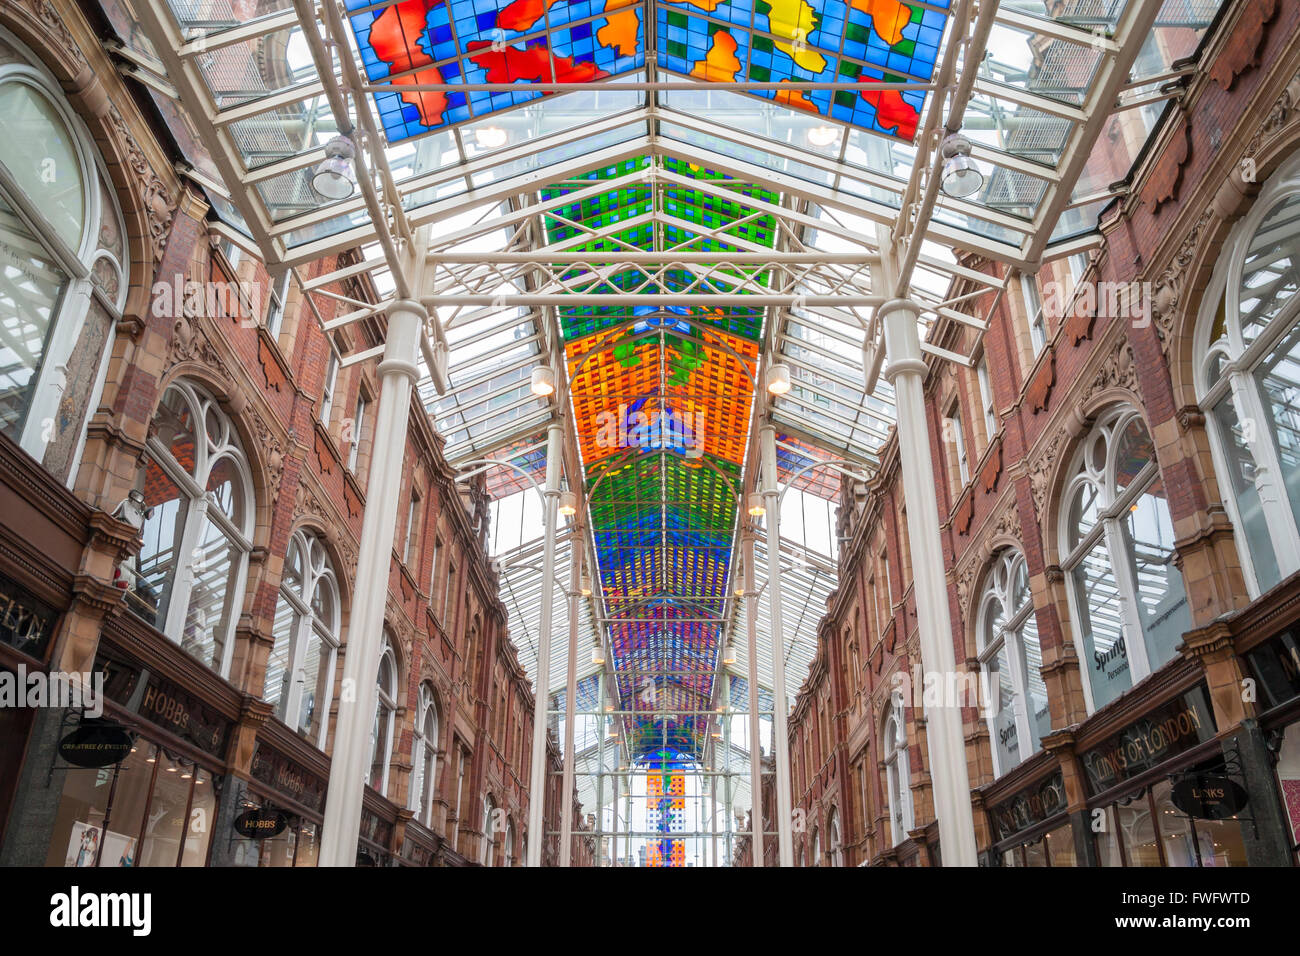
(570, 705)
(542, 690)
(906, 370)
(600, 768)
(356, 713)
(755, 751)
(780, 733)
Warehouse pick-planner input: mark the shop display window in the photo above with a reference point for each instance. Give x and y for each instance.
(1146, 829)
(153, 809)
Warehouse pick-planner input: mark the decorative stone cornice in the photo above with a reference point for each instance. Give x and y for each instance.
(95, 596)
(1059, 742)
(254, 710)
(1211, 641)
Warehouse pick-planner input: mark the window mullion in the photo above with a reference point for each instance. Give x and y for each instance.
(1268, 474)
(297, 650)
(196, 516)
(1125, 581)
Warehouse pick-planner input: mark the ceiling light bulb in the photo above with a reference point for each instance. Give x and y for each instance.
(490, 137)
(335, 178)
(568, 504)
(961, 177)
(823, 135)
(597, 654)
(729, 655)
(778, 378)
(543, 380)
(584, 587)
(756, 506)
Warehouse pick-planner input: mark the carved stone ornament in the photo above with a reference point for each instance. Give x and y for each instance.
(1167, 290)
(965, 580)
(1008, 523)
(55, 26)
(1040, 469)
(156, 200)
(1119, 370)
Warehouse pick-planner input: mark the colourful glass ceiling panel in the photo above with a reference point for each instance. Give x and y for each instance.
(528, 41)
(488, 41)
(662, 402)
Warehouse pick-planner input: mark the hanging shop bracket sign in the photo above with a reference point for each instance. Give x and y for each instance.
(95, 743)
(1208, 796)
(261, 823)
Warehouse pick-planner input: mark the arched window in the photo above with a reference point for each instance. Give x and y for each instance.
(1011, 656)
(897, 773)
(300, 670)
(816, 848)
(1126, 595)
(188, 579)
(381, 736)
(489, 830)
(63, 267)
(424, 757)
(1248, 382)
(833, 838)
(509, 849)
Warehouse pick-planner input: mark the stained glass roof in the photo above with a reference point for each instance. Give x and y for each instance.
(417, 43)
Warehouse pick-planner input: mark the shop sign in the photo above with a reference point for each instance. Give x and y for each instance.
(95, 743)
(282, 775)
(261, 823)
(1166, 731)
(1208, 796)
(25, 623)
(164, 703)
(1030, 806)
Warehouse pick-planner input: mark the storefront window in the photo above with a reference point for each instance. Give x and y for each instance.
(1060, 846)
(296, 845)
(136, 814)
(1127, 599)
(1147, 829)
(1288, 780)
(188, 579)
(1249, 333)
(1054, 848)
